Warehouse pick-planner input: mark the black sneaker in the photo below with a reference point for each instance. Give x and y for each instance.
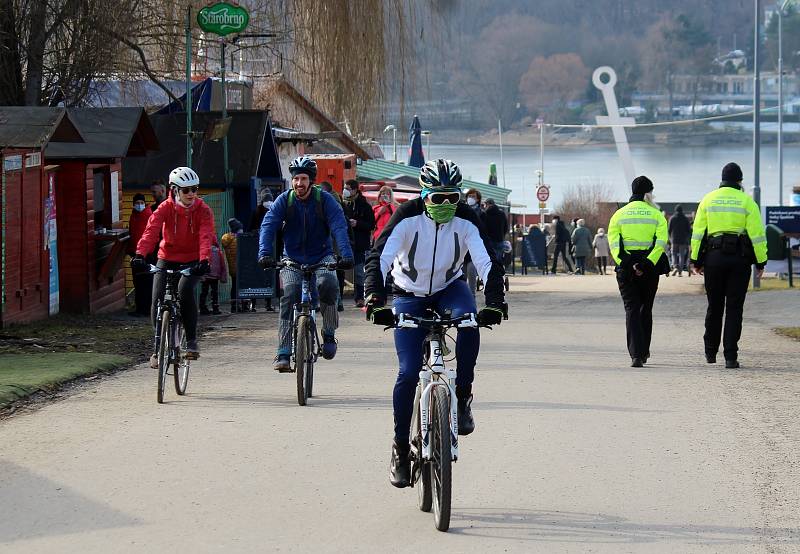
(282, 363)
(400, 466)
(731, 364)
(204, 311)
(192, 350)
(466, 423)
(711, 358)
(636, 362)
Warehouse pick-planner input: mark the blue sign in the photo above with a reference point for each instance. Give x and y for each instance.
(785, 217)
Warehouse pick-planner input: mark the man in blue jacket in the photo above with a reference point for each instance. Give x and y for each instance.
(308, 217)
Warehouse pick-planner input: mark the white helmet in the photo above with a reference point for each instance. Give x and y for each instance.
(183, 177)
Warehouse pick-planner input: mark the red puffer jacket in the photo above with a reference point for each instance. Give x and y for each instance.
(187, 232)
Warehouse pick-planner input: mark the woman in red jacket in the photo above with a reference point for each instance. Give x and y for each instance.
(383, 210)
(186, 226)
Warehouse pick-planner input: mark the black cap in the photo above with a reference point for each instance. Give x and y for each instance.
(138, 196)
(732, 173)
(235, 225)
(641, 185)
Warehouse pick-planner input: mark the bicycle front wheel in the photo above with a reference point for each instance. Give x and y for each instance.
(422, 467)
(180, 365)
(441, 462)
(302, 356)
(164, 348)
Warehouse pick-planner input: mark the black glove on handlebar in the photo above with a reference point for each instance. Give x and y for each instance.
(378, 313)
(493, 314)
(346, 263)
(266, 262)
(138, 263)
(201, 268)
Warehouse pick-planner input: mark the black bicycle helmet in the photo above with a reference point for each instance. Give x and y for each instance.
(304, 164)
(440, 175)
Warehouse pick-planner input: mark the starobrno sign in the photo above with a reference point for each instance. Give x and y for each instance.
(223, 19)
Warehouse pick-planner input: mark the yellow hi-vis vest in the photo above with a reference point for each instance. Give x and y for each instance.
(729, 210)
(637, 226)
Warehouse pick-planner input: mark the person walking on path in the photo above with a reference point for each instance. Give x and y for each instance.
(680, 234)
(496, 223)
(361, 219)
(229, 246)
(637, 234)
(474, 198)
(211, 281)
(562, 241)
(727, 238)
(340, 275)
(142, 279)
(582, 240)
(159, 191)
(602, 250)
(383, 210)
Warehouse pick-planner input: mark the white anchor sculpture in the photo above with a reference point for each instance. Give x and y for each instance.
(613, 118)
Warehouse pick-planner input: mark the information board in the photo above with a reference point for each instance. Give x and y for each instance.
(252, 281)
(785, 217)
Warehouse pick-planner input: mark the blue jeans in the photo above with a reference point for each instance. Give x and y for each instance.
(408, 343)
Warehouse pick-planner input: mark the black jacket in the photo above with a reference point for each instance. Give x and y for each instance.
(680, 231)
(496, 224)
(360, 210)
(562, 233)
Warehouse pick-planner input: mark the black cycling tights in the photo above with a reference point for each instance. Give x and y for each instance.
(186, 287)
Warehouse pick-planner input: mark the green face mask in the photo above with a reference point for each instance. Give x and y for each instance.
(441, 213)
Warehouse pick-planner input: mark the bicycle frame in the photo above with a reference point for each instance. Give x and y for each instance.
(306, 306)
(437, 375)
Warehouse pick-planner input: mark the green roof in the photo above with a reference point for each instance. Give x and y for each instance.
(381, 170)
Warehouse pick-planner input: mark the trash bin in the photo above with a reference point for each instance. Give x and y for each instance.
(776, 243)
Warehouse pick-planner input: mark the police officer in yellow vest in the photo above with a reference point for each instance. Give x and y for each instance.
(727, 238)
(637, 233)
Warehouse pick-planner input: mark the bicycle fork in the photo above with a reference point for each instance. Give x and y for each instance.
(437, 376)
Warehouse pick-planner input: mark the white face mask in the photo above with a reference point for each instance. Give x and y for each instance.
(650, 198)
(471, 200)
(139, 207)
(346, 193)
(386, 199)
(267, 204)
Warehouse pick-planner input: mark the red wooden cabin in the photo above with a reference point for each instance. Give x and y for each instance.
(91, 232)
(29, 281)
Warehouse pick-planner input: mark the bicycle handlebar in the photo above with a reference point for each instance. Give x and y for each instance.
(185, 270)
(287, 262)
(408, 321)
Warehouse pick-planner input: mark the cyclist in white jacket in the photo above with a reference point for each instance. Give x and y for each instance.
(424, 246)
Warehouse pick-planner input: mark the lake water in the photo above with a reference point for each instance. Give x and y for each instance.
(680, 173)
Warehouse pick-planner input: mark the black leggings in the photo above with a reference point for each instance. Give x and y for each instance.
(186, 286)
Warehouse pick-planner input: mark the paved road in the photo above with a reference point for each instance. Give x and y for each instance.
(574, 450)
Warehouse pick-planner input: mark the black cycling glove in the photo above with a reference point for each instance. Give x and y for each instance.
(266, 262)
(493, 314)
(201, 268)
(345, 263)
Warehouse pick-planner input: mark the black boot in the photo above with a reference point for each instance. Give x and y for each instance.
(400, 466)
(466, 423)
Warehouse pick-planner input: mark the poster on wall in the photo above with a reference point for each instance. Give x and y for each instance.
(114, 196)
(51, 239)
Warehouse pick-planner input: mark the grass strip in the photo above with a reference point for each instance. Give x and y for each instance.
(24, 374)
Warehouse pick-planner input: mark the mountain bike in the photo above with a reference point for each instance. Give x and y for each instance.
(170, 336)
(434, 423)
(305, 336)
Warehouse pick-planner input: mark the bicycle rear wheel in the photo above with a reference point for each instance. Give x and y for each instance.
(302, 351)
(312, 354)
(164, 348)
(180, 365)
(422, 468)
(441, 462)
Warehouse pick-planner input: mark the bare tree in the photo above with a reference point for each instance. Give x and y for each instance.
(590, 202)
(551, 83)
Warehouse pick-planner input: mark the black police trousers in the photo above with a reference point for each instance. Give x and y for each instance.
(638, 295)
(726, 280)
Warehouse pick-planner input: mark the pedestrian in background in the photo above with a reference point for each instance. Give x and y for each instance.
(637, 234)
(142, 279)
(602, 250)
(473, 199)
(212, 279)
(229, 246)
(159, 191)
(727, 238)
(361, 218)
(383, 210)
(582, 241)
(265, 199)
(561, 237)
(680, 234)
(328, 187)
(496, 223)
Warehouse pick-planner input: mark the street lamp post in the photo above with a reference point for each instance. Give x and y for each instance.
(757, 117)
(393, 129)
(781, 8)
